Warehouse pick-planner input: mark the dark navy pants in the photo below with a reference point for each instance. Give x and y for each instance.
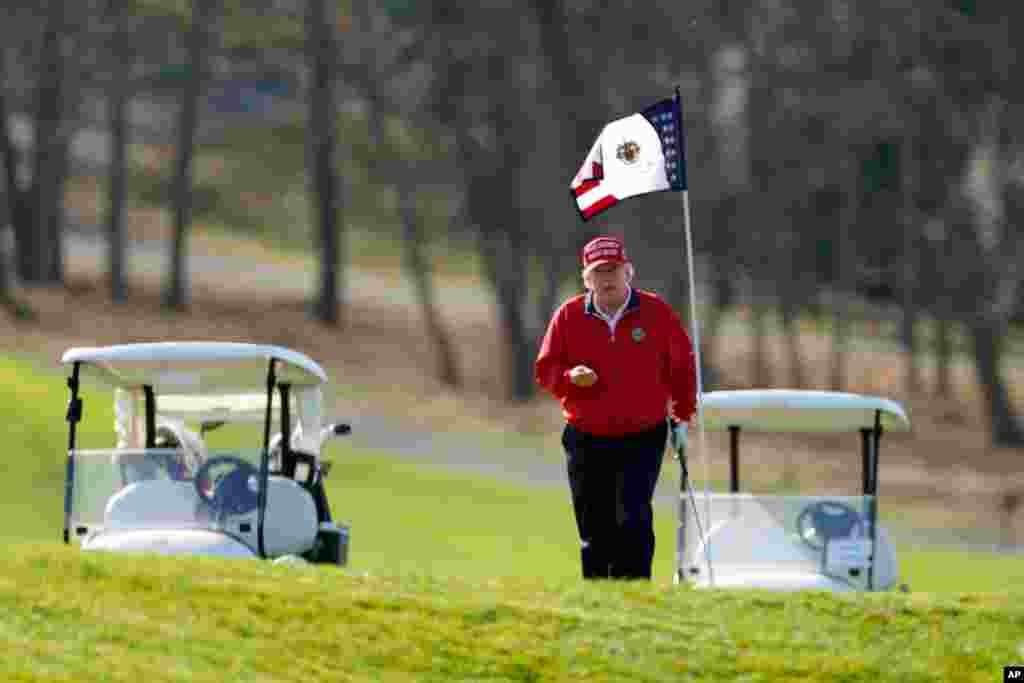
(612, 482)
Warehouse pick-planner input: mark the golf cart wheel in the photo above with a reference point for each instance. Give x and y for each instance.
(825, 520)
(234, 491)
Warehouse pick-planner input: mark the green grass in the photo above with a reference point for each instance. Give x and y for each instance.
(118, 618)
(955, 571)
(415, 518)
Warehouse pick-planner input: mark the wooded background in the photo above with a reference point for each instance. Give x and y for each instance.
(845, 159)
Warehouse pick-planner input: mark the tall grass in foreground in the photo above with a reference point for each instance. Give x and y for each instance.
(124, 618)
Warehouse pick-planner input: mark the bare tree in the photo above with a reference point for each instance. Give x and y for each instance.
(994, 247)
(35, 212)
(6, 295)
(980, 105)
(415, 258)
(488, 128)
(377, 76)
(567, 91)
(11, 190)
(176, 288)
(842, 291)
(322, 129)
(118, 97)
(910, 269)
(945, 314)
(762, 204)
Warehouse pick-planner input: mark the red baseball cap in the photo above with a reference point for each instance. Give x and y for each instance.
(603, 249)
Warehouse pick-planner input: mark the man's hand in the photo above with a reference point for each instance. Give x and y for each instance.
(582, 376)
(680, 436)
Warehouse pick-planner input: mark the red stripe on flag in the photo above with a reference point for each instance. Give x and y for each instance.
(598, 206)
(586, 186)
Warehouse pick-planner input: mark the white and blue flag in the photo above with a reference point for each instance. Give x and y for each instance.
(638, 154)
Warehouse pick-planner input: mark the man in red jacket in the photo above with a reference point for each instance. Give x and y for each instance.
(620, 362)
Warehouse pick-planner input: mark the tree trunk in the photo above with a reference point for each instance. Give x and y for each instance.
(504, 267)
(760, 201)
(843, 287)
(911, 272)
(987, 344)
(320, 53)
(908, 335)
(791, 326)
(118, 100)
(569, 91)
(36, 216)
(722, 274)
(946, 318)
(944, 355)
(492, 166)
(6, 297)
(722, 299)
(118, 103)
(507, 278)
(402, 172)
(54, 240)
(16, 201)
(176, 292)
(761, 372)
(419, 270)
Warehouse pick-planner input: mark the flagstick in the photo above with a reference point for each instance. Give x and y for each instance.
(695, 336)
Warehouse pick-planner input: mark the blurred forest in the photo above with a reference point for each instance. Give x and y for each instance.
(845, 159)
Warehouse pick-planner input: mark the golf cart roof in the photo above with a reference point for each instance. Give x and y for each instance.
(195, 367)
(793, 410)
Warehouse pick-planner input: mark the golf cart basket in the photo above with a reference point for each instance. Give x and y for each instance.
(789, 542)
(162, 489)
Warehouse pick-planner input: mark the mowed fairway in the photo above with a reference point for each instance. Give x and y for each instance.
(452, 577)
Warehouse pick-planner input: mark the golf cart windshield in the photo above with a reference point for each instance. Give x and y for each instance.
(766, 539)
(158, 488)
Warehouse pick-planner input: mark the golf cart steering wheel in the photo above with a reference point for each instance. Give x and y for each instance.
(824, 520)
(235, 492)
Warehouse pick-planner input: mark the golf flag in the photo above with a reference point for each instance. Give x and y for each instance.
(638, 154)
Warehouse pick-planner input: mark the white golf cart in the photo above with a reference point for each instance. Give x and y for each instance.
(161, 489)
(789, 542)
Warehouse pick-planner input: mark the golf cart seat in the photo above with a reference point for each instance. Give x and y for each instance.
(290, 524)
(152, 503)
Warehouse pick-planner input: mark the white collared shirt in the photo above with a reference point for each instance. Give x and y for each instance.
(613, 319)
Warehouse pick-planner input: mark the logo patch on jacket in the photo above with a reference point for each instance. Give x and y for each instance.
(638, 334)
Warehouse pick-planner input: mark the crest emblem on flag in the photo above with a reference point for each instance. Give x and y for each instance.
(628, 152)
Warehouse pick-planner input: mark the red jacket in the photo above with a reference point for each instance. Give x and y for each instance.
(648, 361)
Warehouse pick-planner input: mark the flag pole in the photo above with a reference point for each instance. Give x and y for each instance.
(701, 438)
(695, 337)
